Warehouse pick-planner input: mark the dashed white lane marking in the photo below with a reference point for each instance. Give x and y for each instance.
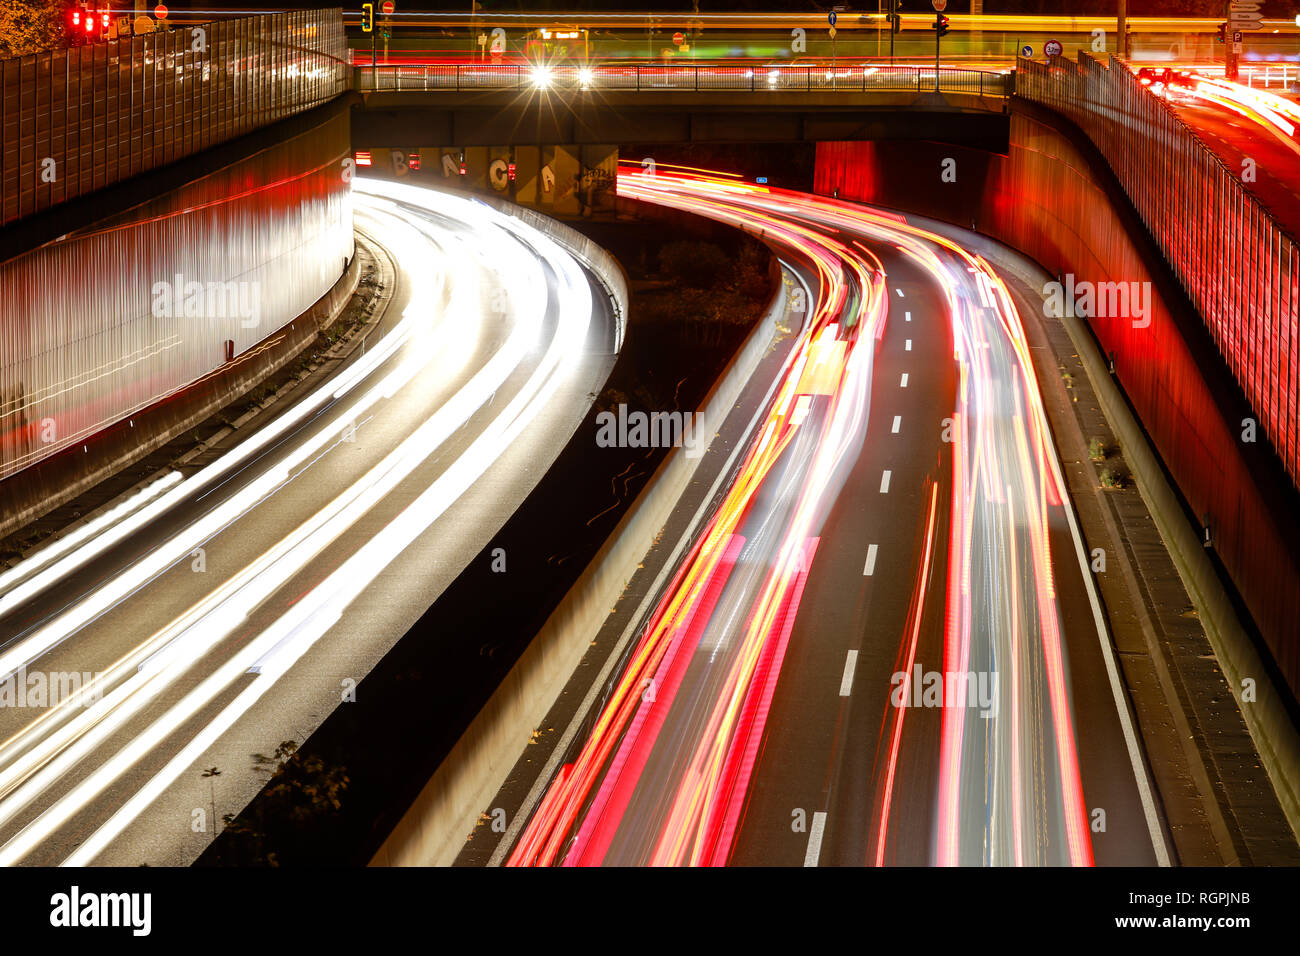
(870, 567)
(907, 347)
(846, 682)
(907, 316)
(815, 839)
(899, 291)
(903, 383)
(898, 423)
(884, 482)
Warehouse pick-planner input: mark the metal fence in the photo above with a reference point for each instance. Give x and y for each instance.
(1237, 264)
(76, 120)
(805, 79)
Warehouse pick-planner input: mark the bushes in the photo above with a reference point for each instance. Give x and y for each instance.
(696, 265)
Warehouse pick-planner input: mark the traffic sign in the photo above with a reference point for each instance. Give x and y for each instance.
(939, 5)
(679, 38)
(160, 12)
(831, 31)
(832, 17)
(388, 7)
(1027, 52)
(1246, 15)
(1053, 48)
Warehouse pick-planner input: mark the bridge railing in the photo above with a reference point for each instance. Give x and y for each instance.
(470, 77)
(1237, 263)
(79, 119)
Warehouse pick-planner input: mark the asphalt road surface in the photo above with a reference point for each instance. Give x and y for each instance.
(885, 646)
(234, 602)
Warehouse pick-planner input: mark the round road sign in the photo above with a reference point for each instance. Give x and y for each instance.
(388, 7)
(939, 5)
(1053, 48)
(160, 12)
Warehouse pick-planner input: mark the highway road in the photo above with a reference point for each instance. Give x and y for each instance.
(232, 603)
(1255, 132)
(885, 646)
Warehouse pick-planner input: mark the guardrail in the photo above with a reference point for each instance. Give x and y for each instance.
(1267, 75)
(79, 119)
(1238, 265)
(472, 77)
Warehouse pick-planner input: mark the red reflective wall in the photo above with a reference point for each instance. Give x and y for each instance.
(1046, 199)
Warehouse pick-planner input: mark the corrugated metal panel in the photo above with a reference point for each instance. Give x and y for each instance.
(102, 323)
(1232, 258)
(106, 112)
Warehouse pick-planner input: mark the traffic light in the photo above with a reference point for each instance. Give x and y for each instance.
(367, 17)
(941, 23)
(1223, 33)
(510, 172)
(83, 21)
(895, 21)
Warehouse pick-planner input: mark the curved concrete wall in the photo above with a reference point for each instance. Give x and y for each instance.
(104, 322)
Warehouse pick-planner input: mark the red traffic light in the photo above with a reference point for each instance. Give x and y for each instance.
(76, 18)
(463, 170)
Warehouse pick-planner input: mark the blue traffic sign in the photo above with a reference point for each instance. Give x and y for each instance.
(832, 17)
(1027, 51)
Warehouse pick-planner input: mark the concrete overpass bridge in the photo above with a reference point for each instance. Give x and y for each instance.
(464, 105)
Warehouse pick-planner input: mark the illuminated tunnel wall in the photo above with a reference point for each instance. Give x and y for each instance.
(1050, 199)
(119, 316)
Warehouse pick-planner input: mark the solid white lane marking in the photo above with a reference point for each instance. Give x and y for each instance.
(846, 682)
(898, 423)
(1144, 784)
(884, 482)
(903, 383)
(908, 346)
(815, 839)
(870, 566)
